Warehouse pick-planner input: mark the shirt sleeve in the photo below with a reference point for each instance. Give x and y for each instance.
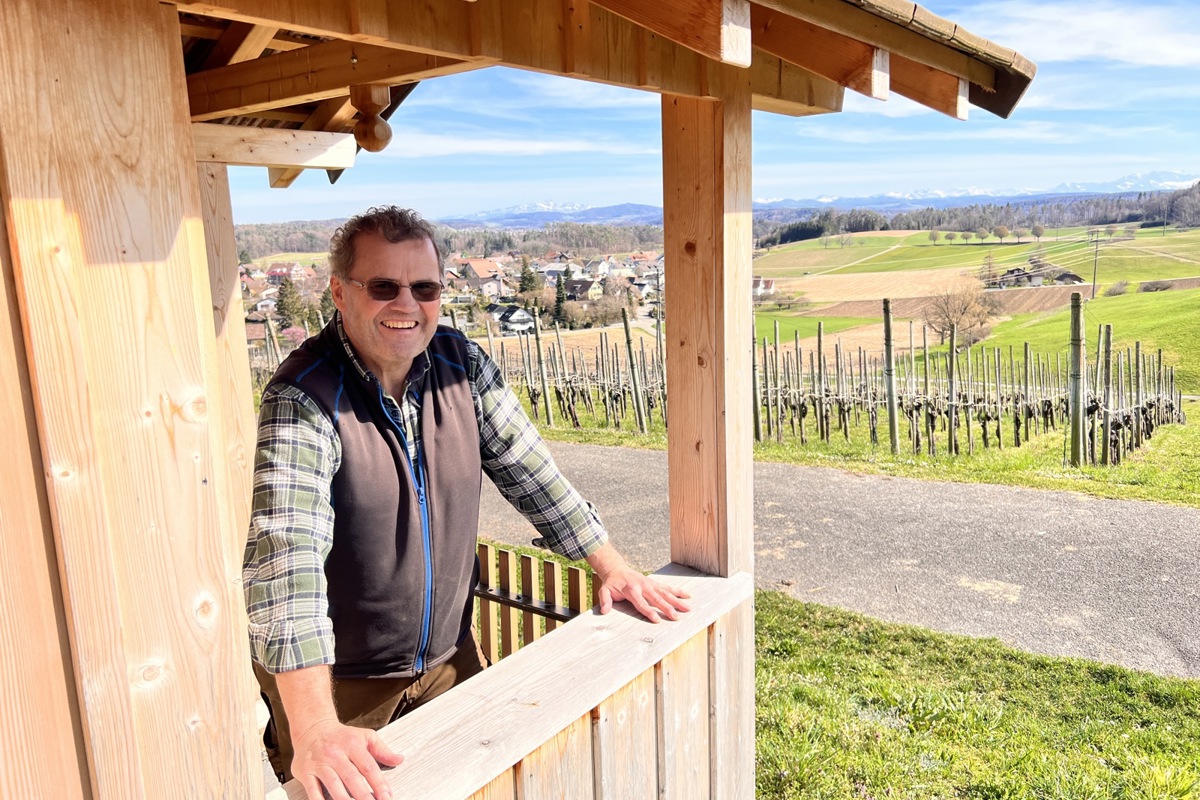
(516, 459)
(291, 532)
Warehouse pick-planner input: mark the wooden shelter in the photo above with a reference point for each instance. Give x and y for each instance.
(127, 410)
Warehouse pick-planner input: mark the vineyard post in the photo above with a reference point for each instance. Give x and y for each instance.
(638, 411)
(1160, 407)
(927, 405)
(1106, 430)
(970, 405)
(1026, 397)
(889, 378)
(819, 392)
(766, 387)
(491, 345)
(541, 364)
(951, 395)
(453, 319)
(1075, 376)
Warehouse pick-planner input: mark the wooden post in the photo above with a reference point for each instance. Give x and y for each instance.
(952, 395)
(1139, 399)
(889, 378)
(1106, 409)
(541, 365)
(707, 228)
(1075, 373)
(109, 267)
(635, 384)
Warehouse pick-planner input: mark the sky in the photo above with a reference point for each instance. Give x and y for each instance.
(1117, 92)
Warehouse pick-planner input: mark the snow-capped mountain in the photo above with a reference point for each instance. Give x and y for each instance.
(535, 215)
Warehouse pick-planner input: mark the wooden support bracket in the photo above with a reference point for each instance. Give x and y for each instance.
(372, 131)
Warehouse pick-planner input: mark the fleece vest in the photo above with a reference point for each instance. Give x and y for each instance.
(402, 566)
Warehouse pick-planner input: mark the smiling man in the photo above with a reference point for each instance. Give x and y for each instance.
(373, 439)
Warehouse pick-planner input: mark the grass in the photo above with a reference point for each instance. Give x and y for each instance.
(790, 324)
(848, 707)
(304, 259)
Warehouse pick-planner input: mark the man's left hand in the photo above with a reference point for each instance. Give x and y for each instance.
(619, 581)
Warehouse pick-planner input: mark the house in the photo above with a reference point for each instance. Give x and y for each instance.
(583, 289)
(1068, 279)
(511, 318)
(761, 286)
(484, 276)
(1013, 277)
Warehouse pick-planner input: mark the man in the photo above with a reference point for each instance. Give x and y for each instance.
(373, 437)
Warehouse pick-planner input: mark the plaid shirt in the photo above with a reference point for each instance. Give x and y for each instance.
(291, 523)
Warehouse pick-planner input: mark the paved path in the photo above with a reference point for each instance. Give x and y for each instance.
(1049, 572)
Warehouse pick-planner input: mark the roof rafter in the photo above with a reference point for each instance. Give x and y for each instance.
(781, 87)
(716, 30)
(930, 87)
(846, 61)
(240, 42)
(310, 74)
(272, 147)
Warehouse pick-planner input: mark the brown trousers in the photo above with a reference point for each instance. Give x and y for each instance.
(367, 702)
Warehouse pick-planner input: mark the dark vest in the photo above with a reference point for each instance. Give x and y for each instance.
(403, 564)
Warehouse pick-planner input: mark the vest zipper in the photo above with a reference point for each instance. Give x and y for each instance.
(417, 474)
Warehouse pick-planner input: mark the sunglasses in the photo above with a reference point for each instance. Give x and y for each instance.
(382, 289)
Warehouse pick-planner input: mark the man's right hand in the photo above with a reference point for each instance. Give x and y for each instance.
(343, 760)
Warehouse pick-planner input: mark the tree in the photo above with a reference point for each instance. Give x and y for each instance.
(967, 307)
(1038, 231)
(983, 233)
(326, 304)
(987, 273)
(288, 305)
(1000, 232)
(934, 235)
(528, 277)
(560, 299)
(1021, 233)
(244, 256)
(951, 236)
(1110, 231)
(968, 235)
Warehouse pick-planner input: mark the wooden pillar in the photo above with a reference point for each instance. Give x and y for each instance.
(707, 222)
(98, 183)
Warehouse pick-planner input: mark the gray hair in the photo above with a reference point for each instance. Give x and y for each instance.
(392, 223)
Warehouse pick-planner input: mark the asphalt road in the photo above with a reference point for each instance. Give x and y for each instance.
(1048, 572)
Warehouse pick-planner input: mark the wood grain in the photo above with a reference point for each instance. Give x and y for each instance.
(624, 735)
(682, 685)
(560, 768)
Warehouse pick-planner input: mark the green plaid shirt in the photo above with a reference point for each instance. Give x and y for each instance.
(291, 522)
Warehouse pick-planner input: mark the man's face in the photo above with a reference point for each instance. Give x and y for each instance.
(388, 334)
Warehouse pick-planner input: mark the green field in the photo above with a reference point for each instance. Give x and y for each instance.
(790, 325)
(304, 259)
(1168, 320)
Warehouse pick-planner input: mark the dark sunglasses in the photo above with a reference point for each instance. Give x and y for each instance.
(382, 289)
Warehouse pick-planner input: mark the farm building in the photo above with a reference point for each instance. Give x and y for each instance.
(129, 414)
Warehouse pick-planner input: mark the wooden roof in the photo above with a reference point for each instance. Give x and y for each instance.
(299, 84)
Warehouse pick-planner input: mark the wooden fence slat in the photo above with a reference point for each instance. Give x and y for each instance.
(626, 769)
(552, 581)
(731, 665)
(503, 787)
(576, 589)
(682, 686)
(530, 622)
(509, 617)
(561, 767)
(489, 638)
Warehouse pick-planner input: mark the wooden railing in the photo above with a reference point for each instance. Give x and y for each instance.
(520, 598)
(610, 706)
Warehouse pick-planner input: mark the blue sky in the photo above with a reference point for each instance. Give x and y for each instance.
(1117, 92)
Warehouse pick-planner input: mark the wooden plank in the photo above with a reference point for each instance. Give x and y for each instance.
(561, 767)
(332, 115)
(240, 42)
(110, 267)
(503, 787)
(272, 147)
(368, 19)
(717, 30)
(481, 728)
(781, 87)
(314, 73)
(930, 87)
(682, 685)
(40, 728)
(577, 593)
(706, 207)
(731, 656)
(552, 583)
(236, 392)
(845, 61)
(626, 769)
(489, 576)
(530, 622)
(509, 616)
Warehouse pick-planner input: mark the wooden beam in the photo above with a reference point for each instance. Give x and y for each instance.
(781, 87)
(930, 87)
(333, 114)
(849, 20)
(707, 230)
(214, 28)
(272, 147)
(845, 61)
(716, 29)
(110, 270)
(240, 42)
(314, 73)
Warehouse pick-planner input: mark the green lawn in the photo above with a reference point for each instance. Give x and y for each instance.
(1170, 320)
(790, 324)
(850, 708)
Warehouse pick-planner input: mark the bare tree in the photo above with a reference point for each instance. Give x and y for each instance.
(934, 235)
(967, 307)
(951, 236)
(1038, 231)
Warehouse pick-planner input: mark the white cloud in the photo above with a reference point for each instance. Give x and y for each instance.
(1149, 34)
(1034, 131)
(414, 143)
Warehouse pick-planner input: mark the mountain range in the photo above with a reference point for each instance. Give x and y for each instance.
(537, 215)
